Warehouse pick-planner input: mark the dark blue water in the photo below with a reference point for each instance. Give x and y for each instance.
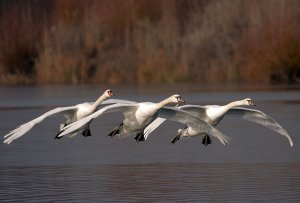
(259, 165)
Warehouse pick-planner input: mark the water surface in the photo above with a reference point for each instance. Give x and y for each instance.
(259, 165)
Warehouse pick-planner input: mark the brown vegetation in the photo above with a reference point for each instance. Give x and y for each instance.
(149, 41)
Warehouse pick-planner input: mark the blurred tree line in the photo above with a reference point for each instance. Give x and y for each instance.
(149, 41)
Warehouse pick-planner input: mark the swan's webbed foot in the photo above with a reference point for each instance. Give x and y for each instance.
(206, 140)
(115, 131)
(176, 139)
(139, 137)
(87, 132)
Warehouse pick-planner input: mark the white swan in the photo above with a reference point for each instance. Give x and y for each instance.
(139, 115)
(213, 114)
(71, 113)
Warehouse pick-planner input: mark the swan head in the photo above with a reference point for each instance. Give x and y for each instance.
(108, 93)
(248, 102)
(176, 98)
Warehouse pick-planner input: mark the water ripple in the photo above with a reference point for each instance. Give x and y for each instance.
(169, 182)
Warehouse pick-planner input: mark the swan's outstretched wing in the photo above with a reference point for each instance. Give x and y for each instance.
(194, 110)
(108, 109)
(196, 123)
(152, 126)
(258, 117)
(24, 128)
(115, 101)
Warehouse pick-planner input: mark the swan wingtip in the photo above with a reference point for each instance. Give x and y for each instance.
(7, 135)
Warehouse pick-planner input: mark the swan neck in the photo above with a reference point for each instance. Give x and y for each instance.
(233, 104)
(164, 103)
(99, 101)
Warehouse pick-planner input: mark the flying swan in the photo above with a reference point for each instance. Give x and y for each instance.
(71, 113)
(139, 115)
(213, 114)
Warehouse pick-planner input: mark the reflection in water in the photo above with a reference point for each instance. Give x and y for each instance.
(152, 183)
